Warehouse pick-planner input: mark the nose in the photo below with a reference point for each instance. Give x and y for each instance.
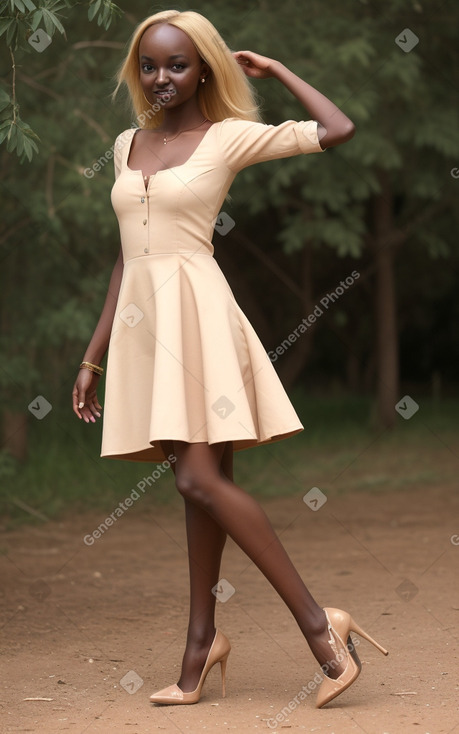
(162, 77)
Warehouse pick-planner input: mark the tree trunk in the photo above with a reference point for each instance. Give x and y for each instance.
(292, 363)
(353, 380)
(15, 434)
(244, 294)
(385, 308)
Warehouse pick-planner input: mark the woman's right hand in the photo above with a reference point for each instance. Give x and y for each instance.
(85, 402)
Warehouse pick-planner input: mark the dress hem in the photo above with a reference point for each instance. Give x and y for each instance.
(155, 453)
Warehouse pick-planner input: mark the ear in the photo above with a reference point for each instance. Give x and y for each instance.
(205, 70)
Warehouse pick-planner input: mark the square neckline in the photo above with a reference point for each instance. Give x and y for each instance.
(169, 168)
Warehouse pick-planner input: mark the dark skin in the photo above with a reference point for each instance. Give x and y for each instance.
(169, 62)
(214, 505)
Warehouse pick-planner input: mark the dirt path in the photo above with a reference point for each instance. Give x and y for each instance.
(76, 619)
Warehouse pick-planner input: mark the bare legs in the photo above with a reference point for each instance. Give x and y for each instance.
(214, 507)
(206, 540)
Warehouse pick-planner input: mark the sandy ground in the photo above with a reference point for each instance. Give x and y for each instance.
(92, 631)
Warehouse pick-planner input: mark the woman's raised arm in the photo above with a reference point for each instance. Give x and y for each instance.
(334, 126)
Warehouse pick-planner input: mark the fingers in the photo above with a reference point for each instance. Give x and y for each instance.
(91, 408)
(253, 65)
(95, 407)
(78, 398)
(86, 407)
(242, 57)
(89, 413)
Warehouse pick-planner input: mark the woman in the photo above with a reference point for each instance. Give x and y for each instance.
(188, 381)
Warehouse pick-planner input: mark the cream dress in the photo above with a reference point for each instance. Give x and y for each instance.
(184, 362)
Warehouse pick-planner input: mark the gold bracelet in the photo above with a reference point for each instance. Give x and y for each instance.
(92, 367)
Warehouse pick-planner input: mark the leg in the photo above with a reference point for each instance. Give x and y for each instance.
(206, 540)
(201, 482)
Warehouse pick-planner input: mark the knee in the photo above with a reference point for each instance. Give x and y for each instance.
(194, 488)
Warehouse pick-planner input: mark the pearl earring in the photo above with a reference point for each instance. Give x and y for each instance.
(203, 79)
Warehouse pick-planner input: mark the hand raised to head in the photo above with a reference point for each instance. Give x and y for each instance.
(254, 65)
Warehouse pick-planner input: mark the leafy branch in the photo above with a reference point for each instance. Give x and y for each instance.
(30, 25)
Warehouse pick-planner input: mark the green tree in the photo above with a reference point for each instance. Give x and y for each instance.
(392, 66)
(368, 205)
(29, 26)
(54, 235)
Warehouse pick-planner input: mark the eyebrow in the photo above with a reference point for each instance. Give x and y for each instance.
(174, 56)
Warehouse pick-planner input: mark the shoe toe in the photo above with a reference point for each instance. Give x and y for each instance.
(171, 694)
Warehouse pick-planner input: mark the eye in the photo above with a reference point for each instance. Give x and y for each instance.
(179, 67)
(147, 68)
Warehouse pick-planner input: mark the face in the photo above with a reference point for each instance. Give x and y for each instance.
(170, 66)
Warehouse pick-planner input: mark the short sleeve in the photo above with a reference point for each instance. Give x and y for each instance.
(243, 142)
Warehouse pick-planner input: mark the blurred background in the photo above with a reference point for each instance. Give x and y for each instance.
(363, 237)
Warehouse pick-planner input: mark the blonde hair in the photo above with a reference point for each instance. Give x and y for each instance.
(226, 93)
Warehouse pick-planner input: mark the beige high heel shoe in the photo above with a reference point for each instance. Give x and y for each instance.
(218, 653)
(340, 624)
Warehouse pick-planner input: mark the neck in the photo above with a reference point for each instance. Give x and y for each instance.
(181, 118)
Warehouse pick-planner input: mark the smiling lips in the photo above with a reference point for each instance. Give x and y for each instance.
(164, 92)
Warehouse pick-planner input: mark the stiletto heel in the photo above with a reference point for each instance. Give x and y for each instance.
(340, 624)
(218, 653)
(359, 631)
(223, 662)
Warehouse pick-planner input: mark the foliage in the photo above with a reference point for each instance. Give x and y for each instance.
(59, 238)
(20, 22)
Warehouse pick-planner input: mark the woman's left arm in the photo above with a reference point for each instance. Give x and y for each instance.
(334, 126)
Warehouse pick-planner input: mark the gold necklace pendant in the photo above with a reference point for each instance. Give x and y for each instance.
(184, 131)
